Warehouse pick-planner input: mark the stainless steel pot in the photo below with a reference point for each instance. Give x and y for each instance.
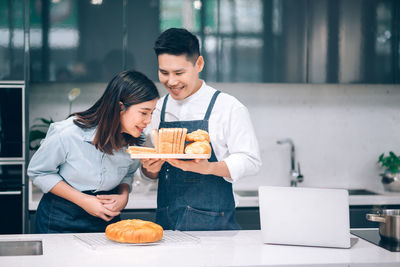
(389, 228)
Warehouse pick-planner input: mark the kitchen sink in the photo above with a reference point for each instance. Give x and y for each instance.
(21, 248)
(352, 192)
(247, 193)
(361, 192)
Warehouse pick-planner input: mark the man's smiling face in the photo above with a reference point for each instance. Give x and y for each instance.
(179, 75)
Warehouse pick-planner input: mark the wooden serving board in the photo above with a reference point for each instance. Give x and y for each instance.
(169, 156)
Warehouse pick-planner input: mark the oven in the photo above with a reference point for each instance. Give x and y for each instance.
(12, 176)
(12, 118)
(12, 157)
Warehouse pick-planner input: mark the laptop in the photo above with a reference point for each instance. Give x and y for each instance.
(304, 216)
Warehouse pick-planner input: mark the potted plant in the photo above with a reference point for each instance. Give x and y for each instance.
(38, 130)
(391, 175)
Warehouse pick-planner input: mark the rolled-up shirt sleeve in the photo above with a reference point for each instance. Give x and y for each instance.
(244, 153)
(128, 178)
(44, 166)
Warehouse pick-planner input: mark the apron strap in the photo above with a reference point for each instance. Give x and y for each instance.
(211, 105)
(206, 116)
(163, 108)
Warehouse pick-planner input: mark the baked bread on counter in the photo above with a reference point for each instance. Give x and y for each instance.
(134, 231)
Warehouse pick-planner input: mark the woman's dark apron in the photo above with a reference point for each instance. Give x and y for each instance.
(58, 215)
(191, 201)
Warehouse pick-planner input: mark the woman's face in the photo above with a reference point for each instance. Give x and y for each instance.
(136, 117)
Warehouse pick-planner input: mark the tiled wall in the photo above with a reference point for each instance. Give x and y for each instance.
(338, 130)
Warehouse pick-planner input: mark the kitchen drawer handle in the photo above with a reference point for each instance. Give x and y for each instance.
(2, 193)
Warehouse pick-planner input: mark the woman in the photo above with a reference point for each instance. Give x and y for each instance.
(82, 166)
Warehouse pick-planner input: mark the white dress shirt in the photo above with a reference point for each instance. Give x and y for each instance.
(231, 131)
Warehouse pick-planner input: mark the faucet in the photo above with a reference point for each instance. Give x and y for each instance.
(296, 176)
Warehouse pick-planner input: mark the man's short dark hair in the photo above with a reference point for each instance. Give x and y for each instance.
(176, 41)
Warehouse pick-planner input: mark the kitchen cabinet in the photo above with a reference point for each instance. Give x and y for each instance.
(12, 40)
(248, 218)
(142, 206)
(357, 215)
(12, 156)
(142, 214)
(302, 41)
(12, 114)
(83, 41)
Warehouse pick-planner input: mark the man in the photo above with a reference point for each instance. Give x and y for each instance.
(197, 194)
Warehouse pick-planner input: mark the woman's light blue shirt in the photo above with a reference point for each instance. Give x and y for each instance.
(67, 154)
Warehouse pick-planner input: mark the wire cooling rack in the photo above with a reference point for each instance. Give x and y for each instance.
(100, 241)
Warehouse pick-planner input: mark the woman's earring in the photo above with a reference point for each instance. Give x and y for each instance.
(122, 106)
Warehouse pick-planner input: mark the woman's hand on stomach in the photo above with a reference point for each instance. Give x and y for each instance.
(114, 203)
(95, 207)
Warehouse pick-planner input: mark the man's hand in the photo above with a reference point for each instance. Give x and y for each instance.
(151, 167)
(202, 166)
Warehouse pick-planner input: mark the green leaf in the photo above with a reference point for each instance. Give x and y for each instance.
(34, 135)
(47, 122)
(390, 162)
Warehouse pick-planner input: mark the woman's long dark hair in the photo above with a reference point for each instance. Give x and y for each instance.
(129, 87)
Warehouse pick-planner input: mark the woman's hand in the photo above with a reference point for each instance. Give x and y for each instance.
(114, 203)
(95, 207)
(89, 203)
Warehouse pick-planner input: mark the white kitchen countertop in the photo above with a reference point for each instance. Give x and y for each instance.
(216, 248)
(148, 200)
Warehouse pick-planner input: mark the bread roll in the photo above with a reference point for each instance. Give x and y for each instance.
(199, 147)
(134, 231)
(198, 135)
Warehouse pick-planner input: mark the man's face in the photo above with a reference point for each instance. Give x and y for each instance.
(179, 75)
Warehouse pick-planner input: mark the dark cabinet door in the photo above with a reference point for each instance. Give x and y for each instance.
(358, 215)
(11, 122)
(248, 218)
(11, 209)
(80, 41)
(11, 198)
(142, 214)
(86, 42)
(12, 40)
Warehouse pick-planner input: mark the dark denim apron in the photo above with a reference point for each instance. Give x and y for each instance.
(58, 215)
(191, 201)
